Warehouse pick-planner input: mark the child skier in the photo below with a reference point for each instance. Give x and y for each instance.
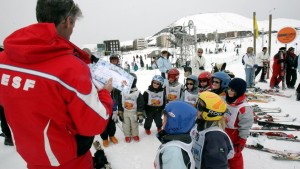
(190, 93)
(130, 113)
(204, 81)
(187, 73)
(211, 145)
(239, 119)
(175, 151)
(220, 82)
(110, 129)
(154, 100)
(173, 88)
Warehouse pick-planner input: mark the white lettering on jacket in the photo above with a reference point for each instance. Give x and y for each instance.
(16, 82)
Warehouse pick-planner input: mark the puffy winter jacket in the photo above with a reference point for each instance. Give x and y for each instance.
(164, 64)
(50, 102)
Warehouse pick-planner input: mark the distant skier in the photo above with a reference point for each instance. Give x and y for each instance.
(291, 68)
(198, 63)
(249, 66)
(163, 63)
(262, 60)
(278, 72)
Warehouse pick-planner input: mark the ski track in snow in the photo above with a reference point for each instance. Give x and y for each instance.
(141, 155)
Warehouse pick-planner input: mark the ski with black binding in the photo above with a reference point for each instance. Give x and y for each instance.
(277, 155)
(280, 125)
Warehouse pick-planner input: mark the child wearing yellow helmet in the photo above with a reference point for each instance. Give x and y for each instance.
(212, 147)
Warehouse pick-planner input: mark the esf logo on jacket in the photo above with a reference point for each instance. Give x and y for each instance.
(16, 82)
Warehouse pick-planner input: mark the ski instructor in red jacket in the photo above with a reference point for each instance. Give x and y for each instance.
(50, 103)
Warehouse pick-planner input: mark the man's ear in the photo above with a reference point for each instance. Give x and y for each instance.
(69, 22)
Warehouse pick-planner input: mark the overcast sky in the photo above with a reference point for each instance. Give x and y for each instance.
(130, 19)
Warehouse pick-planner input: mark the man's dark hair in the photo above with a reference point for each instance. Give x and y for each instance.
(164, 52)
(264, 48)
(114, 57)
(55, 11)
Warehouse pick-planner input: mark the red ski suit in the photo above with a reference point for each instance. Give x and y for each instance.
(50, 103)
(277, 71)
(238, 129)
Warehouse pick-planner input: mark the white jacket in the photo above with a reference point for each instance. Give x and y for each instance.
(249, 60)
(262, 57)
(196, 63)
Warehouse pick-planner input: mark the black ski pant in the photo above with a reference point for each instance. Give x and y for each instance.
(4, 125)
(153, 115)
(298, 88)
(291, 77)
(110, 129)
(263, 72)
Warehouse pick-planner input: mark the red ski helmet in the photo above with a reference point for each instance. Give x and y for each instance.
(173, 73)
(205, 76)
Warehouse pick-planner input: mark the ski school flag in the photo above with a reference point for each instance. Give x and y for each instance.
(103, 70)
(255, 27)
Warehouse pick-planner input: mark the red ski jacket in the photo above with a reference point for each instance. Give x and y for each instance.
(276, 66)
(49, 100)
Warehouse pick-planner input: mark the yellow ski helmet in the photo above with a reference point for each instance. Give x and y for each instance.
(211, 105)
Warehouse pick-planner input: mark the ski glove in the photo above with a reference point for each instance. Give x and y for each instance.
(115, 116)
(239, 145)
(140, 117)
(121, 116)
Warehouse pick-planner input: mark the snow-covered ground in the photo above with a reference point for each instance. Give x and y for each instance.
(141, 155)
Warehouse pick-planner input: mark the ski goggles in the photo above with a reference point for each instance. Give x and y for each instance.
(201, 106)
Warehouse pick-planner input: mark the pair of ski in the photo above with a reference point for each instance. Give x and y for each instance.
(275, 93)
(275, 135)
(265, 110)
(271, 118)
(260, 98)
(278, 155)
(256, 108)
(270, 114)
(267, 92)
(264, 125)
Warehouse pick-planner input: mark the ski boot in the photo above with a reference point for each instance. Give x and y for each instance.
(113, 139)
(298, 96)
(105, 143)
(8, 141)
(148, 132)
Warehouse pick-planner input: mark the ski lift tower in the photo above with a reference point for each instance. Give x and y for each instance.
(186, 41)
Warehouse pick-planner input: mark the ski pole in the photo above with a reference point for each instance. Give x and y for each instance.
(120, 127)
